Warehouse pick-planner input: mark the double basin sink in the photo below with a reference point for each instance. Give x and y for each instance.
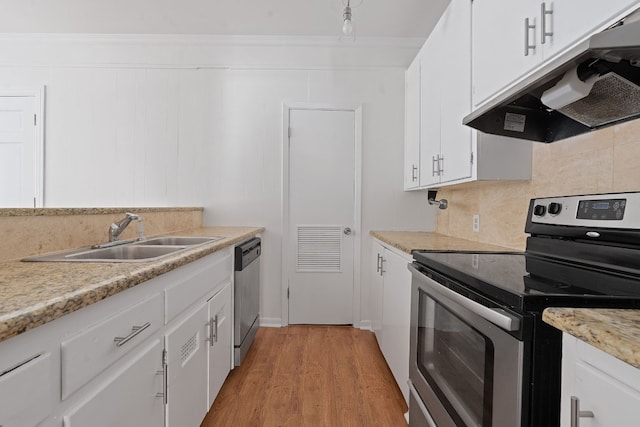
(133, 251)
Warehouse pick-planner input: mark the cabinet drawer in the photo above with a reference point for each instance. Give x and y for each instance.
(89, 352)
(197, 280)
(24, 392)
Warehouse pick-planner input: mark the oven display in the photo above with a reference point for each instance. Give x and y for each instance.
(607, 210)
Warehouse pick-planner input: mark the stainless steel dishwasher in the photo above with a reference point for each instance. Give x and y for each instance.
(246, 296)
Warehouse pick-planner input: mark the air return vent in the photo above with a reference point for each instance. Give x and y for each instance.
(319, 249)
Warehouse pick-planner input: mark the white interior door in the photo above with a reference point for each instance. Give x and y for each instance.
(322, 201)
(18, 152)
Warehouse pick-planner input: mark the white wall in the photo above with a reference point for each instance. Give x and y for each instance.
(177, 121)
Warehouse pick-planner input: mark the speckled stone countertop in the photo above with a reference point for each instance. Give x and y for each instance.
(84, 211)
(614, 331)
(408, 241)
(34, 293)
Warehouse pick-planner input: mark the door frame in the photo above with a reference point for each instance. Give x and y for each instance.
(287, 255)
(37, 93)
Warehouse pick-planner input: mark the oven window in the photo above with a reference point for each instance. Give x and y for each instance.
(457, 361)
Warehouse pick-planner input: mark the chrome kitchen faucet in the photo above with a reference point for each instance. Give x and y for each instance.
(118, 227)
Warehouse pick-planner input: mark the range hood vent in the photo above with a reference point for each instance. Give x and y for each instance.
(596, 84)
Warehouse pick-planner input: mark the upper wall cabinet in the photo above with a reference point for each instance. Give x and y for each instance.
(439, 149)
(412, 126)
(512, 38)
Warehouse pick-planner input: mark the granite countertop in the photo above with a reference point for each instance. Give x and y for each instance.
(34, 293)
(408, 241)
(613, 331)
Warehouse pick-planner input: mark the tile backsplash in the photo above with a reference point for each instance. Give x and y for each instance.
(27, 232)
(603, 161)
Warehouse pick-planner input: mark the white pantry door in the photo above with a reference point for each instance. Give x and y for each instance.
(18, 153)
(322, 169)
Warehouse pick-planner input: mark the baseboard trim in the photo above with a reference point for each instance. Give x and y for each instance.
(271, 322)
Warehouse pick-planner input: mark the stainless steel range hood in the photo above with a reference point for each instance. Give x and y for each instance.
(596, 84)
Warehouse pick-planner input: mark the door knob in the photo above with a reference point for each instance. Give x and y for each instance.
(347, 231)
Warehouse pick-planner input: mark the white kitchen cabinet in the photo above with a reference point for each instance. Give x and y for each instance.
(445, 85)
(377, 287)
(603, 385)
(25, 390)
(393, 309)
(448, 151)
(90, 351)
(508, 40)
(187, 364)
(412, 126)
(72, 372)
(131, 398)
(220, 345)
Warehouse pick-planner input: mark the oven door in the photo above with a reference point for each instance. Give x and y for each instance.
(464, 365)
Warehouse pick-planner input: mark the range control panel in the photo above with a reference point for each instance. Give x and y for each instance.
(595, 210)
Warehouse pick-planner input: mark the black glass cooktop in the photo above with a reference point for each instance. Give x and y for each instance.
(526, 281)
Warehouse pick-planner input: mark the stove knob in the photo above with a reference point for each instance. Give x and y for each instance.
(539, 210)
(555, 208)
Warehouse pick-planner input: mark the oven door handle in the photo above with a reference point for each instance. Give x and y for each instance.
(496, 316)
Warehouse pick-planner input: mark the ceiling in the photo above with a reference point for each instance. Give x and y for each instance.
(371, 18)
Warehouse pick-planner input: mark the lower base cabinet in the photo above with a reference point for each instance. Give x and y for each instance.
(24, 390)
(598, 383)
(117, 363)
(186, 369)
(391, 304)
(220, 341)
(132, 398)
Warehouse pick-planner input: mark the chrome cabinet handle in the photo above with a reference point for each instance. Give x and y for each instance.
(434, 168)
(215, 333)
(382, 270)
(543, 25)
(440, 165)
(414, 173)
(213, 330)
(163, 395)
(135, 330)
(576, 413)
(378, 266)
(528, 27)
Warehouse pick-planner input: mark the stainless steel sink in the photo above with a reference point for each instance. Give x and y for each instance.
(178, 241)
(125, 253)
(145, 250)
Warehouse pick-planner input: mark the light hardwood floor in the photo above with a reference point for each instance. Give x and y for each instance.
(312, 376)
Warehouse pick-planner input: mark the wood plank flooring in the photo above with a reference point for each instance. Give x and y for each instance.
(310, 376)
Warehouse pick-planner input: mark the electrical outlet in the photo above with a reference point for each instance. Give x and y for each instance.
(476, 223)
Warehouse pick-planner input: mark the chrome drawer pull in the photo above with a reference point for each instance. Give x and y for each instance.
(543, 14)
(135, 330)
(576, 413)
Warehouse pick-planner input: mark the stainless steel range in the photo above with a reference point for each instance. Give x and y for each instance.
(480, 353)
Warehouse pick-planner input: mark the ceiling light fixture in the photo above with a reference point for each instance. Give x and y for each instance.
(347, 26)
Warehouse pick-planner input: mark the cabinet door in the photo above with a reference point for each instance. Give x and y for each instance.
(455, 138)
(131, 399)
(498, 38)
(219, 343)
(396, 305)
(431, 69)
(187, 369)
(412, 126)
(25, 391)
(377, 253)
(571, 21)
(604, 385)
